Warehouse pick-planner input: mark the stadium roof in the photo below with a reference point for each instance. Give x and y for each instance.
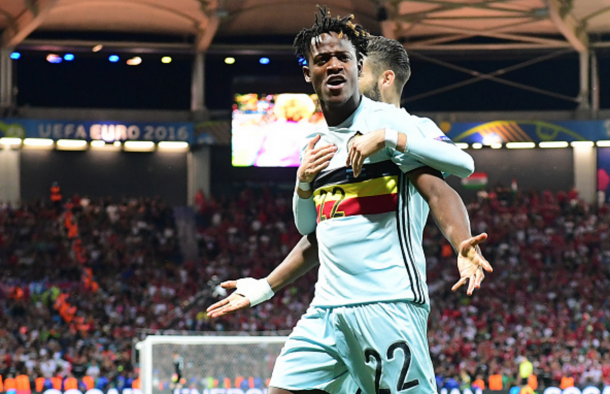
(447, 25)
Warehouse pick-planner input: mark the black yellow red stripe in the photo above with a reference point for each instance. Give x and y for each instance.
(358, 206)
(372, 196)
(345, 175)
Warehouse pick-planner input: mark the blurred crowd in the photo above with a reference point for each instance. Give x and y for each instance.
(544, 304)
(116, 267)
(77, 279)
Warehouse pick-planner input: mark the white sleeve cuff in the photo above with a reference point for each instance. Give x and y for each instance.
(305, 186)
(391, 138)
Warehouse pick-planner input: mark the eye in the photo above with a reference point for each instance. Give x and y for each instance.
(321, 60)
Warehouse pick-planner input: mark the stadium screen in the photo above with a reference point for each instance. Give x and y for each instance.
(268, 130)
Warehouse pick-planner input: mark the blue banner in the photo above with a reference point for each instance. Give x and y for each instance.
(106, 131)
(502, 131)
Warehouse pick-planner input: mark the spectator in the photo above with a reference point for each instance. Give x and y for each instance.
(546, 298)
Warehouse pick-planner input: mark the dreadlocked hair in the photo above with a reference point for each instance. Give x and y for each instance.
(325, 23)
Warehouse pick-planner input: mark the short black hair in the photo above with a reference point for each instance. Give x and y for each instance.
(387, 54)
(325, 23)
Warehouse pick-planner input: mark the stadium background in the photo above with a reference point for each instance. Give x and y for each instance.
(76, 278)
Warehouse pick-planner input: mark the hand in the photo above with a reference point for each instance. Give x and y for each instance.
(232, 303)
(471, 264)
(362, 146)
(315, 160)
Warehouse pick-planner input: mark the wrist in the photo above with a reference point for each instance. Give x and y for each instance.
(275, 288)
(391, 138)
(304, 186)
(255, 290)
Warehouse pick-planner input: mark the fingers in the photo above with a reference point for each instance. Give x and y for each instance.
(319, 165)
(218, 312)
(230, 284)
(320, 160)
(313, 142)
(319, 168)
(459, 284)
(485, 264)
(479, 276)
(471, 284)
(315, 161)
(323, 159)
(228, 305)
(353, 156)
(357, 164)
(474, 282)
(321, 151)
(217, 305)
(233, 306)
(470, 248)
(355, 160)
(326, 152)
(474, 241)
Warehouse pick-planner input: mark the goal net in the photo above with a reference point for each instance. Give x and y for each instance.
(207, 364)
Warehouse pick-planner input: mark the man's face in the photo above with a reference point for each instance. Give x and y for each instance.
(369, 82)
(333, 69)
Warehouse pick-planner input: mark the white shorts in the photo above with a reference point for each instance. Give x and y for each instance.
(378, 348)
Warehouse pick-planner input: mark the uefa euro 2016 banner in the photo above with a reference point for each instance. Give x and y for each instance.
(90, 130)
(502, 131)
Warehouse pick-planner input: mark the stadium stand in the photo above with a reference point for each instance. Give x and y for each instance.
(544, 303)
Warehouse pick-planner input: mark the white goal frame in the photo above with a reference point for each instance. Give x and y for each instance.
(146, 354)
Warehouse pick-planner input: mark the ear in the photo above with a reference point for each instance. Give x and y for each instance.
(306, 74)
(360, 66)
(387, 78)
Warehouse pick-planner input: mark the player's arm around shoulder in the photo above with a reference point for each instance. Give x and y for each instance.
(427, 144)
(378, 137)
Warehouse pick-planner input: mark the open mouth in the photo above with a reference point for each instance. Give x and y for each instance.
(335, 82)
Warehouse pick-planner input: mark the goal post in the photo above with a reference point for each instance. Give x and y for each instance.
(207, 364)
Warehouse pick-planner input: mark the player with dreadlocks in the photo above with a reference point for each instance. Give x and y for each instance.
(366, 327)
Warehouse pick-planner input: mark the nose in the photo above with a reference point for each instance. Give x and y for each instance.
(334, 65)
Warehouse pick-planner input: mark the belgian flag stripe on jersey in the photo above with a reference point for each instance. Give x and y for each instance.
(345, 175)
(368, 188)
(372, 196)
(371, 205)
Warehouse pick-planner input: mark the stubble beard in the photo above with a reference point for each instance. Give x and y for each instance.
(373, 93)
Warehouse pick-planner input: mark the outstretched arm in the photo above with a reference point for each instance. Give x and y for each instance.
(451, 216)
(302, 258)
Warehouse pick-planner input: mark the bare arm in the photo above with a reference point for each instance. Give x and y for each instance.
(302, 258)
(446, 206)
(451, 216)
